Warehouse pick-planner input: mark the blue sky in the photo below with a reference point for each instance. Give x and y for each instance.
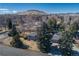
(47, 7)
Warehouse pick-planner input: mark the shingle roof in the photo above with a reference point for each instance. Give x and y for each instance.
(56, 36)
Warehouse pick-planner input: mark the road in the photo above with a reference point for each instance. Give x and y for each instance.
(10, 51)
(3, 35)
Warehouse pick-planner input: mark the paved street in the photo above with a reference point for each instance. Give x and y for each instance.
(3, 35)
(10, 51)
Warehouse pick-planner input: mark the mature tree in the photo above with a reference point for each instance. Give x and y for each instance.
(55, 26)
(66, 42)
(13, 31)
(16, 42)
(74, 28)
(52, 26)
(9, 23)
(44, 39)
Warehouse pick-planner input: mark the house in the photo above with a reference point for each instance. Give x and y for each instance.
(32, 36)
(55, 39)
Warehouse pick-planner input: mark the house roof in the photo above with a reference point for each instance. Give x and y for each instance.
(33, 34)
(56, 36)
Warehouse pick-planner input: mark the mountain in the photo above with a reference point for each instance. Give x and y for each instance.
(32, 12)
(33, 18)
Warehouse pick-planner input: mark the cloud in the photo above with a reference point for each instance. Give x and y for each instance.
(3, 9)
(7, 11)
(14, 11)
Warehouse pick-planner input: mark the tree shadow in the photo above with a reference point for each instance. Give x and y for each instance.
(24, 47)
(55, 51)
(19, 44)
(75, 53)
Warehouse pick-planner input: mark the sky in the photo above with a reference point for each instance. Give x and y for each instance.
(46, 7)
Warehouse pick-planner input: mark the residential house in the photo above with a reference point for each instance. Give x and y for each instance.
(55, 39)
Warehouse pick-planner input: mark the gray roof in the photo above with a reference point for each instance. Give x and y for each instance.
(56, 36)
(33, 34)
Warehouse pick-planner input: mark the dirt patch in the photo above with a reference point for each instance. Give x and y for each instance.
(32, 44)
(7, 41)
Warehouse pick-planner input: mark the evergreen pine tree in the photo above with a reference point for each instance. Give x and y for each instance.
(66, 42)
(9, 23)
(44, 39)
(16, 42)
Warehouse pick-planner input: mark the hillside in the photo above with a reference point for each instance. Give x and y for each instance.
(32, 12)
(32, 18)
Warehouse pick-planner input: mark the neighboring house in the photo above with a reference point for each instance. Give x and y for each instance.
(32, 36)
(55, 39)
